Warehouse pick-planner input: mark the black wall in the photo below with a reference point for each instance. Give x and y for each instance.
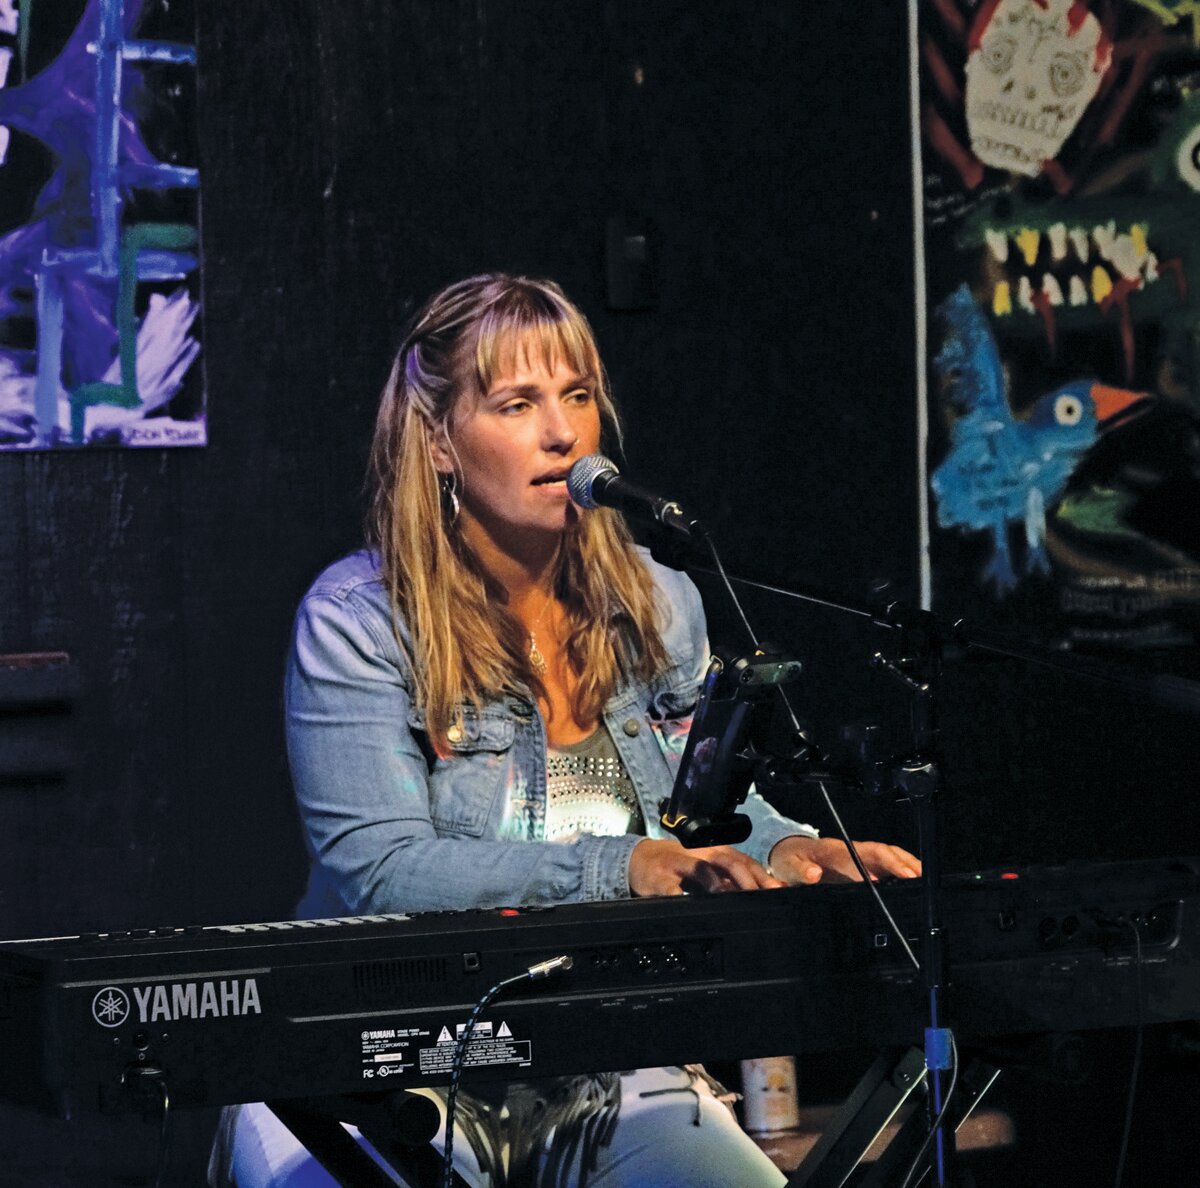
(354, 157)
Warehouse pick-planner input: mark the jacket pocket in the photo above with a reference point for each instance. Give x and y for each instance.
(464, 786)
(481, 733)
(676, 696)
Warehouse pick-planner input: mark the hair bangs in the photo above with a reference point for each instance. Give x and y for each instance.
(527, 328)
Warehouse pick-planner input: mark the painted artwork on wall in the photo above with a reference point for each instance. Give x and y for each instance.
(99, 218)
(1060, 145)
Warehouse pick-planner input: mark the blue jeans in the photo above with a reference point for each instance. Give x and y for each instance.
(671, 1133)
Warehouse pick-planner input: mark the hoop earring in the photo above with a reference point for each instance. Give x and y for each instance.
(450, 496)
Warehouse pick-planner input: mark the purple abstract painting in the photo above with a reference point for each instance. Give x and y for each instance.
(99, 216)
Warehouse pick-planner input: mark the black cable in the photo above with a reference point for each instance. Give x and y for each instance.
(941, 1116)
(1137, 1058)
(837, 820)
(737, 606)
(543, 969)
(154, 1074)
(897, 931)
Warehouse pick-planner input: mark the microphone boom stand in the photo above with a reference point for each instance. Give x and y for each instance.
(918, 777)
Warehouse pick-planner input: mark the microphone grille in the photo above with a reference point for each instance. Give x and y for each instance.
(583, 474)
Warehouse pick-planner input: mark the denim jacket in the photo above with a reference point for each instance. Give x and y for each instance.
(392, 827)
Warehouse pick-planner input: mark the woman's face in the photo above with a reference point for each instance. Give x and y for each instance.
(514, 448)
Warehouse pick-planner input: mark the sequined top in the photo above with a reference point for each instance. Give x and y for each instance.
(588, 790)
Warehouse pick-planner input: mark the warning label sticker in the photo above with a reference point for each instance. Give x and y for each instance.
(479, 1053)
(489, 1045)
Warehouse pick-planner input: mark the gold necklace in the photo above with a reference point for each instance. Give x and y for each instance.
(536, 660)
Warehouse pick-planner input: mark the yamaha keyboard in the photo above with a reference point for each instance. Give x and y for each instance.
(296, 1009)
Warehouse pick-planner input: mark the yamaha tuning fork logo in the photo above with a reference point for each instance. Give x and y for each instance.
(110, 1007)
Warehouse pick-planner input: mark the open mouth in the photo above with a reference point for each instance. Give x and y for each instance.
(1060, 273)
(558, 478)
(1072, 266)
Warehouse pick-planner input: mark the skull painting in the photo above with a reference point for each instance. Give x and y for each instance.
(1033, 67)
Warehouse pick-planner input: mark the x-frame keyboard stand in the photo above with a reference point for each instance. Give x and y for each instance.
(862, 1117)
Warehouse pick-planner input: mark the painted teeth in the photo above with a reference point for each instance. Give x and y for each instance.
(1025, 295)
(1001, 299)
(1132, 244)
(1027, 240)
(1125, 257)
(1078, 293)
(1058, 241)
(1103, 238)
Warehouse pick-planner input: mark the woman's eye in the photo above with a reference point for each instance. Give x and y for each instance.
(511, 409)
(579, 396)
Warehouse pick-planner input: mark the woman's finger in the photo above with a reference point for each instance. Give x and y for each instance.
(746, 874)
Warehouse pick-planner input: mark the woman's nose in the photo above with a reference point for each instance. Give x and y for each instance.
(557, 431)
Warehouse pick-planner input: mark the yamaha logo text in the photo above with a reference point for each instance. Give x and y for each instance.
(169, 1002)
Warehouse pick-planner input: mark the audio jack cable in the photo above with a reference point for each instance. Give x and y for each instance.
(535, 973)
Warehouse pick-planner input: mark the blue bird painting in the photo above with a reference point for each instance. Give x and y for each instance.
(1001, 471)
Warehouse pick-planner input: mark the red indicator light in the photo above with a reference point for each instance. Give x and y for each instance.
(1009, 874)
(510, 911)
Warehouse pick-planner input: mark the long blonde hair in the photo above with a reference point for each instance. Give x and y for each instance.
(465, 645)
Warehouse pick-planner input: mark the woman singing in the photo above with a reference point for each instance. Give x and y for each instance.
(486, 707)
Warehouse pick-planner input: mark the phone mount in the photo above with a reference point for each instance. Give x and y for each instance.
(725, 745)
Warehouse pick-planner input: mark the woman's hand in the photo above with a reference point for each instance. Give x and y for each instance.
(666, 868)
(799, 859)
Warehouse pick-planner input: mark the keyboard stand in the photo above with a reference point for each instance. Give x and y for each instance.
(864, 1115)
(398, 1125)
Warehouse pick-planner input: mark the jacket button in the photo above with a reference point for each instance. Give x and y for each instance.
(632, 727)
(454, 734)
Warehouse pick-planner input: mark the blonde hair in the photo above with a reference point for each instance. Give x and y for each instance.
(465, 645)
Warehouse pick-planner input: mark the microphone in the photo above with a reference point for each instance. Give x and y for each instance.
(595, 482)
